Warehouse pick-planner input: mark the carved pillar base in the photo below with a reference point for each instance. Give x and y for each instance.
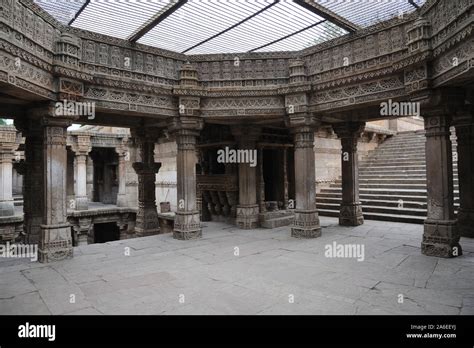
(441, 239)
(466, 223)
(247, 216)
(187, 225)
(351, 214)
(306, 224)
(55, 243)
(147, 223)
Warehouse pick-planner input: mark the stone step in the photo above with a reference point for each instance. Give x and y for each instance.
(396, 192)
(369, 163)
(380, 216)
(407, 152)
(392, 176)
(377, 196)
(403, 145)
(278, 222)
(378, 209)
(381, 172)
(276, 214)
(390, 181)
(382, 156)
(391, 168)
(374, 202)
(404, 142)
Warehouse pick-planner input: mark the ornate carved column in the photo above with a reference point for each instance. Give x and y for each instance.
(285, 178)
(147, 216)
(306, 224)
(464, 123)
(56, 239)
(247, 209)
(302, 125)
(33, 189)
(261, 182)
(7, 151)
(187, 224)
(351, 208)
(440, 237)
(121, 151)
(186, 127)
(81, 148)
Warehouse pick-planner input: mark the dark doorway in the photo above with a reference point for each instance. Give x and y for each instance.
(106, 232)
(273, 174)
(105, 175)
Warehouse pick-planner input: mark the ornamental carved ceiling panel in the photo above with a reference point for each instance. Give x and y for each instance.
(391, 59)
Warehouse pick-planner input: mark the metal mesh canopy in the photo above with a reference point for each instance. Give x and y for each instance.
(221, 26)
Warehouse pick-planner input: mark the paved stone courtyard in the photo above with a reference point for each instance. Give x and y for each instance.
(272, 274)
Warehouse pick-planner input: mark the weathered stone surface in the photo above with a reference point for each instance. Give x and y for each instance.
(270, 266)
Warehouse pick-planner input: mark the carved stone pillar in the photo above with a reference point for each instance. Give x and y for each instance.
(122, 175)
(440, 237)
(261, 182)
(351, 208)
(33, 186)
(147, 216)
(247, 209)
(285, 178)
(186, 127)
(56, 239)
(464, 124)
(7, 150)
(306, 224)
(90, 178)
(302, 124)
(81, 148)
(187, 224)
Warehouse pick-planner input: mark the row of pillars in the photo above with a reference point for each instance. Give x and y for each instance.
(45, 184)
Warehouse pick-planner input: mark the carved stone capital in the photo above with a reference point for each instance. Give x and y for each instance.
(81, 145)
(8, 139)
(146, 168)
(349, 129)
(185, 123)
(301, 122)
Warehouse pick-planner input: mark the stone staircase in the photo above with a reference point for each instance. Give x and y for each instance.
(392, 182)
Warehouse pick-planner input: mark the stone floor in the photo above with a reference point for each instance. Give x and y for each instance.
(272, 274)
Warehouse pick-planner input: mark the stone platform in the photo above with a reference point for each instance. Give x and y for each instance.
(162, 275)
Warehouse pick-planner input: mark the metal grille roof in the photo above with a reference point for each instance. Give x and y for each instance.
(225, 26)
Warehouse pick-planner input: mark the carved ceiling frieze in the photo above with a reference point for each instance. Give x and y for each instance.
(386, 60)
